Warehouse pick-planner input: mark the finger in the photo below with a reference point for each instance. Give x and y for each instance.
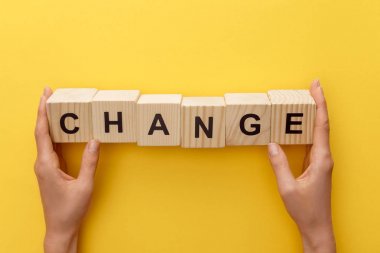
(89, 161)
(47, 92)
(280, 166)
(43, 141)
(321, 127)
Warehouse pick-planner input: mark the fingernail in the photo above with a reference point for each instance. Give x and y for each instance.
(316, 83)
(93, 146)
(46, 89)
(273, 149)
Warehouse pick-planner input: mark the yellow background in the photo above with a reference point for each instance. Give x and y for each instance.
(178, 200)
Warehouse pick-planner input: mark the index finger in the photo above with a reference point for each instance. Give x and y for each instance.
(42, 136)
(321, 139)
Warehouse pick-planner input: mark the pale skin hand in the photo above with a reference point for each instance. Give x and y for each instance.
(308, 197)
(65, 199)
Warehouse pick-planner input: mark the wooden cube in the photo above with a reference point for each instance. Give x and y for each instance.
(203, 122)
(158, 120)
(247, 119)
(69, 113)
(292, 117)
(114, 115)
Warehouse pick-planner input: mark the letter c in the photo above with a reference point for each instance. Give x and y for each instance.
(63, 126)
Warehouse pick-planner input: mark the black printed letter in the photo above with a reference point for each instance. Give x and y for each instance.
(63, 126)
(108, 122)
(255, 126)
(289, 123)
(199, 123)
(162, 126)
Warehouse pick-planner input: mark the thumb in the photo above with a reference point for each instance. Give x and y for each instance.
(89, 160)
(280, 167)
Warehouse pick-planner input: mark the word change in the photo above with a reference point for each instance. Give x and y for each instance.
(117, 116)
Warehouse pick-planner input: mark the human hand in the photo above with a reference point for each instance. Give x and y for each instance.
(65, 199)
(308, 197)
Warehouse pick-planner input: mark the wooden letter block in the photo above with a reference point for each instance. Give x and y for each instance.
(69, 113)
(158, 120)
(247, 119)
(293, 115)
(114, 115)
(203, 122)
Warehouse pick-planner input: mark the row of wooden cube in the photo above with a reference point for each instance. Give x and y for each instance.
(114, 116)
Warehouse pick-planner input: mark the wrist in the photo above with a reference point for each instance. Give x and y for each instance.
(319, 240)
(60, 242)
